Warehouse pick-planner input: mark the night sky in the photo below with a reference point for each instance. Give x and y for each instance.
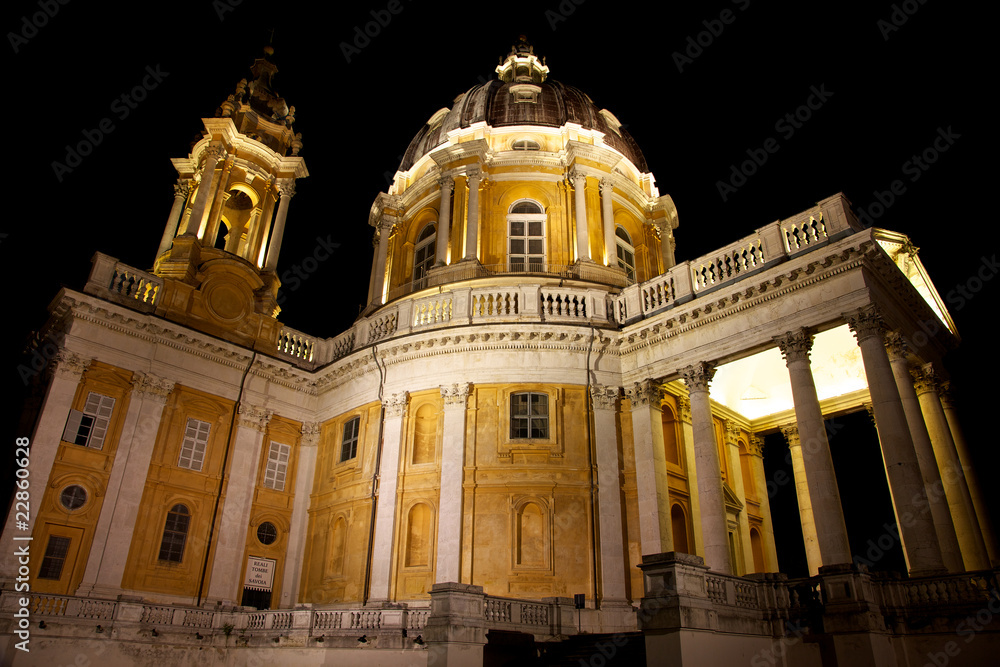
(702, 89)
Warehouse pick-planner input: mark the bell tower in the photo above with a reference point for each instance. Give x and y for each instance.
(219, 252)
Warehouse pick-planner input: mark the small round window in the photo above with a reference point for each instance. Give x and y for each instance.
(267, 533)
(73, 497)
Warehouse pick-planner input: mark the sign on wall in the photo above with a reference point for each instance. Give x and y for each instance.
(260, 573)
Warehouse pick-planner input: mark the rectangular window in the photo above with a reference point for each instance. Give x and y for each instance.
(55, 556)
(349, 445)
(526, 244)
(277, 466)
(90, 427)
(529, 415)
(195, 442)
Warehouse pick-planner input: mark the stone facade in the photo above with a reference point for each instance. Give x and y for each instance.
(538, 402)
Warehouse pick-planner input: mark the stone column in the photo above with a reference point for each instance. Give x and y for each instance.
(667, 244)
(936, 503)
(240, 482)
(286, 188)
(449, 533)
(381, 257)
(126, 483)
(706, 453)
(971, 476)
(687, 432)
(733, 452)
(608, 222)
(821, 480)
(579, 181)
(385, 508)
(756, 449)
(299, 524)
(916, 529)
(809, 540)
(221, 196)
(956, 490)
(199, 209)
(655, 535)
(444, 220)
(182, 188)
(67, 368)
(609, 499)
(472, 218)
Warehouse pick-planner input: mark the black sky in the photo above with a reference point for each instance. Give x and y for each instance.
(890, 91)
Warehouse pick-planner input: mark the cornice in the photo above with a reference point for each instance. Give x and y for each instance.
(714, 307)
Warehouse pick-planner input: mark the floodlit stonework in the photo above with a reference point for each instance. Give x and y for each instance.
(540, 400)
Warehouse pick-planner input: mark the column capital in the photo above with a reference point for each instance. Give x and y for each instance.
(446, 183)
(644, 392)
(866, 323)
(607, 187)
(947, 397)
(870, 408)
(395, 404)
(474, 174)
(252, 416)
(684, 409)
(69, 365)
(151, 387)
(791, 433)
(756, 446)
(795, 345)
(310, 434)
(456, 394)
(925, 379)
(214, 151)
(575, 177)
(182, 188)
(604, 397)
(895, 346)
(732, 432)
(698, 376)
(286, 187)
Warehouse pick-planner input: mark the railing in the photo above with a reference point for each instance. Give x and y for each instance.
(121, 283)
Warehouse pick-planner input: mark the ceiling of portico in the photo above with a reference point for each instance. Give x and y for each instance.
(757, 386)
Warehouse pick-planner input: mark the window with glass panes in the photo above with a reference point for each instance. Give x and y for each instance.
(175, 534)
(529, 415)
(195, 441)
(526, 237)
(54, 558)
(423, 254)
(626, 253)
(89, 427)
(349, 444)
(277, 466)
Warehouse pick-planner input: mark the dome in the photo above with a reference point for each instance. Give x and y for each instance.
(522, 95)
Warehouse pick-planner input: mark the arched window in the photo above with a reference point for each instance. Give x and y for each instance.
(526, 237)
(626, 253)
(418, 536)
(175, 534)
(678, 523)
(525, 145)
(423, 255)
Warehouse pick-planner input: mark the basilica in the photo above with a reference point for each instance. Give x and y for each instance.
(541, 440)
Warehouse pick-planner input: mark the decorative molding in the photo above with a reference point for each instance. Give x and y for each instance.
(684, 409)
(604, 397)
(151, 387)
(251, 416)
(310, 434)
(456, 394)
(866, 323)
(69, 365)
(795, 345)
(698, 376)
(644, 393)
(395, 404)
